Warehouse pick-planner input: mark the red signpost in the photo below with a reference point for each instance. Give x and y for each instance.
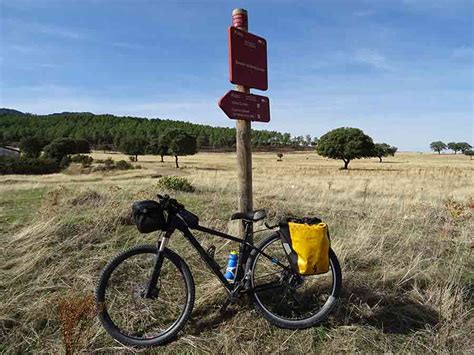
(247, 59)
(242, 106)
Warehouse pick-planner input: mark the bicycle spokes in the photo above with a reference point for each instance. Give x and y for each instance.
(127, 304)
(297, 297)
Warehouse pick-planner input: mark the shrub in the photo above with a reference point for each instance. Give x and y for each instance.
(123, 165)
(176, 183)
(85, 160)
(100, 168)
(28, 166)
(109, 162)
(132, 158)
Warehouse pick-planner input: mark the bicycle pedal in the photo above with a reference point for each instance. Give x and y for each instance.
(211, 251)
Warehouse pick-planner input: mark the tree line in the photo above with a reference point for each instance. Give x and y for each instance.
(41, 157)
(174, 142)
(456, 147)
(109, 132)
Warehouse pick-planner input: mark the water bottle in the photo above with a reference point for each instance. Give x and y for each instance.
(231, 266)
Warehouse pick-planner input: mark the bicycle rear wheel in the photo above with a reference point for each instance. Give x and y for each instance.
(133, 319)
(286, 298)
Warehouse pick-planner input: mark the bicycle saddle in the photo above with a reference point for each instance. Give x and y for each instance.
(252, 216)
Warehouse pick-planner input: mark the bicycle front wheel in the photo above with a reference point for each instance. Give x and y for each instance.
(133, 319)
(286, 298)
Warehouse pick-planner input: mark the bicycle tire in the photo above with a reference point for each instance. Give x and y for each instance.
(279, 321)
(168, 334)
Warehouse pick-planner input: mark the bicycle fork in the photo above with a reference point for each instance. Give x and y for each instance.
(151, 291)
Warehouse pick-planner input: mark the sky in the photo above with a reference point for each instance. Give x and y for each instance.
(400, 70)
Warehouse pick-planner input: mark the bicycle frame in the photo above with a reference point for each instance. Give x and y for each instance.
(245, 249)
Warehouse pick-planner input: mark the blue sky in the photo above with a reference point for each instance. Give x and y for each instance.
(401, 70)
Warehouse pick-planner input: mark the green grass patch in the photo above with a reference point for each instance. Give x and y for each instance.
(18, 207)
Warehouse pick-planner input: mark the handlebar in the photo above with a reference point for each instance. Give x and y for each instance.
(169, 204)
(173, 206)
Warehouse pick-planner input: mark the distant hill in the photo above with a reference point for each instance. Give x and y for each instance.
(70, 113)
(106, 130)
(9, 111)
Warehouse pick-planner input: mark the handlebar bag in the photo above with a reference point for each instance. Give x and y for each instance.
(189, 218)
(149, 216)
(306, 243)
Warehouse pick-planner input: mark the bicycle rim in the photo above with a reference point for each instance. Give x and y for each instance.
(291, 298)
(132, 314)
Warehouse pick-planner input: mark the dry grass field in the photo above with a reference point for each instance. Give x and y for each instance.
(402, 230)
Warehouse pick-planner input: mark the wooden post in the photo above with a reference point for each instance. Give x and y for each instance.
(243, 136)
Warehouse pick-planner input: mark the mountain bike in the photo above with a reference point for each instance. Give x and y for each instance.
(146, 294)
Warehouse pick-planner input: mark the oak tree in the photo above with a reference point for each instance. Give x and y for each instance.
(345, 143)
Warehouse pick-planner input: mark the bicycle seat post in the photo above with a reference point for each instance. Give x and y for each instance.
(248, 229)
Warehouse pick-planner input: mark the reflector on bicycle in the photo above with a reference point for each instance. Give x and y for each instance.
(306, 242)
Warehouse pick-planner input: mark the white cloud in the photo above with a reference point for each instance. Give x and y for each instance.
(24, 49)
(61, 32)
(364, 13)
(16, 24)
(372, 58)
(127, 45)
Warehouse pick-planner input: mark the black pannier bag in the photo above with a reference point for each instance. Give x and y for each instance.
(149, 216)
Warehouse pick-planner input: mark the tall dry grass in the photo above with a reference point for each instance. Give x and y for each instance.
(402, 231)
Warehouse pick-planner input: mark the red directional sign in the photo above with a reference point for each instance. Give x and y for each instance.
(247, 59)
(242, 106)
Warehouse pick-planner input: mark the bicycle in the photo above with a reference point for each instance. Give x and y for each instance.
(146, 294)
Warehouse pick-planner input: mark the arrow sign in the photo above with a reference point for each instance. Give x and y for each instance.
(242, 106)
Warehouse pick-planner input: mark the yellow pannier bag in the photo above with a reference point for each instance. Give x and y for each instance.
(310, 243)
